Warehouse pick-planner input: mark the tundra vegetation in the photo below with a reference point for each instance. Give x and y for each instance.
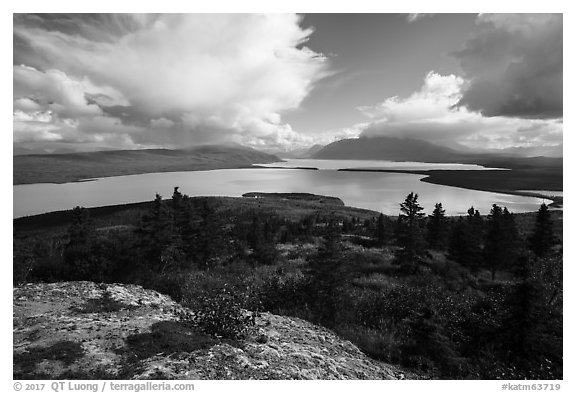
(476, 296)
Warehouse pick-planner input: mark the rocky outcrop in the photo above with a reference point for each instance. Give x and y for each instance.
(83, 330)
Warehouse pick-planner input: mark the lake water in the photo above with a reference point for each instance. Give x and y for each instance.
(372, 164)
(371, 190)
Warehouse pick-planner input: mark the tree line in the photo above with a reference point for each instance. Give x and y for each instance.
(182, 233)
(492, 242)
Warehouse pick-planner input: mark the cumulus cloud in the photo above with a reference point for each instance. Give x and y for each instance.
(165, 79)
(431, 114)
(514, 64)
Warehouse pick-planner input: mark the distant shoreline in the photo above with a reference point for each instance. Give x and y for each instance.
(77, 167)
(485, 180)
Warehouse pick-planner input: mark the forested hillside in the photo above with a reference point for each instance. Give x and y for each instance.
(478, 296)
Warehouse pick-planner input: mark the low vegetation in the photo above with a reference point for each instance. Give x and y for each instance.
(478, 296)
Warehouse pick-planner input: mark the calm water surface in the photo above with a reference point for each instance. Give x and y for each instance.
(376, 191)
(372, 164)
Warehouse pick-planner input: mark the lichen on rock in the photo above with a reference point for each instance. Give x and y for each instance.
(83, 330)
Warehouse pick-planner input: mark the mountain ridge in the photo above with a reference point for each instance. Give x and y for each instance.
(386, 148)
(405, 149)
(70, 167)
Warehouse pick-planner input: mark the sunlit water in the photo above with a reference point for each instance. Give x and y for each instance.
(372, 164)
(371, 190)
(545, 192)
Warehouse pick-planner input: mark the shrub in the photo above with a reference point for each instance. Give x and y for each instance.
(220, 314)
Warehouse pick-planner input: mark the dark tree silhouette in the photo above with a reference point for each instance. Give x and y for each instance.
(465, 246)
(326, 274)
(261, 240)
(437, 226)
(81, 262)
(383, 232)
(208, 236)
(410, 235)
(154, 235)
(501, 243)
(542, 238)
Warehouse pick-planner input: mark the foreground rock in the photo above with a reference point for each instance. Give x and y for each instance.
(82, 330)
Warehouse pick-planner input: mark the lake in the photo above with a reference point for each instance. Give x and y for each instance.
(372, 164)
(371, 190)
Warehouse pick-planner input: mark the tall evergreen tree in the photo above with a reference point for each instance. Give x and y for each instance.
(82, 263)
(262, 241)
(383, 232)
(181, 214)
(155, 235)
(326, 274)
(542, 238)
(410, 235)
(494, 246)
(501, 243)
(437, 226)
(476, 223)
(465, 246)
(208, 236)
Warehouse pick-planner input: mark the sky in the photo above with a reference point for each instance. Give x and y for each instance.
(282, 82)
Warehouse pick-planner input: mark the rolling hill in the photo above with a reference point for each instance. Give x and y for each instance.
(63, 168)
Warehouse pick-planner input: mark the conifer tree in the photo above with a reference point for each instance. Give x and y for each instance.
(437, 226)
(78, 255)
(326, 274)
(382, 230)
(155, 234)
(542, 238)
(208, 236)
(465, 246)
(501, 243)
(262, 241)
(410, 235)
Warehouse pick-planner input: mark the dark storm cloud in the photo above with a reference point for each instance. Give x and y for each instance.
(431, 114)
(514, 64)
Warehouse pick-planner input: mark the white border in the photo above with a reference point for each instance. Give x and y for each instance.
(356, 6)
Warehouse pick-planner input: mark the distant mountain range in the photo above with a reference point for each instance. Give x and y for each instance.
(301, 153)
(545, 151)
(385, 148)
(61, 168)
(397, 149)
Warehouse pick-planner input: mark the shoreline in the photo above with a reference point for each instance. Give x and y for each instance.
(496, 181)
(462, 179)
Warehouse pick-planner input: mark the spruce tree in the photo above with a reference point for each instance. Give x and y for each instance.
(465, 245)
(208, 236)
(437, 226)
(501, 246)
(542, 238)
(81, 262)
(382, 230)
(410, 235)
(154, 235)
(261, 239)
(326, 274)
